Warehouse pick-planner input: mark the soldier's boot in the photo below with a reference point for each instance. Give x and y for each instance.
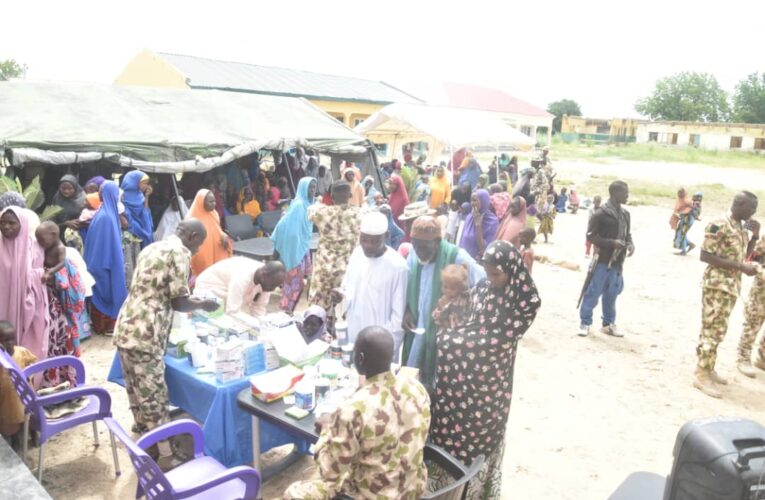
(717, 378)
(703, 382)
(745, 367)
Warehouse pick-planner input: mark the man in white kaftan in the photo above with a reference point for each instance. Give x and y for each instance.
(374, 285)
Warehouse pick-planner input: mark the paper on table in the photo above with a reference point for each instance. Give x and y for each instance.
(290, 345)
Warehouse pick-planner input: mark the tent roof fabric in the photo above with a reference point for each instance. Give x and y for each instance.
(457, 127)
(474, 97)
(225, 75)
(160, 125)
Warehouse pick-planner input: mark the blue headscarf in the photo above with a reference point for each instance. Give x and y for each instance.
(292, 235)
(395, 233)
(138, 216)
(103, 253)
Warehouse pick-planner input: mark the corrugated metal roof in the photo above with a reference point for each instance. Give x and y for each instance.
(475, 97)
(211, 73)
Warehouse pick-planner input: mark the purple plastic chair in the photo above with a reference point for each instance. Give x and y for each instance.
(200, 478)
(98, 408)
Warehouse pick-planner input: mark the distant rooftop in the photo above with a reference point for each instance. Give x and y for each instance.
(475, 97)
(214, 74)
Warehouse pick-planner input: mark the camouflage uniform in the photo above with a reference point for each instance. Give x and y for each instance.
(373, 446)
(339, 228)
(540, 184)
(754, 314)
(728, 239)
(161, 274)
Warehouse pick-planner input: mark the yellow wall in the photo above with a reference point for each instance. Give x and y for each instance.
(347, 110)
(150, 70)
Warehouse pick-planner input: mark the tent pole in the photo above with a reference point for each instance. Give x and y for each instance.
(289, 172)
(376, 165)
(182, 208)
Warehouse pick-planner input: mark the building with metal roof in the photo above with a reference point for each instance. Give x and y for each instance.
(349, 100)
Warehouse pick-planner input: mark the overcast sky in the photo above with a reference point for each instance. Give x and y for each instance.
(603, 54)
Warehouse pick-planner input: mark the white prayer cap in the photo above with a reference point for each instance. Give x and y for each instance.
(374, 224)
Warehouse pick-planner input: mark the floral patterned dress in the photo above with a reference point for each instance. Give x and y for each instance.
(474, 377)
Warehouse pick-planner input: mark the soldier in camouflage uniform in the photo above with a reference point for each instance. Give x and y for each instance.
(160, 285)
(726, 244)
(372, 446)
(754, 316)
(339, 227)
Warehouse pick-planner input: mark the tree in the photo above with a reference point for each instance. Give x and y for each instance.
(686, 96)
(560, 108)
(749, 99)
(11, 69)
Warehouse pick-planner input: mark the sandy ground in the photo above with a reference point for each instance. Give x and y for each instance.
(587, 411)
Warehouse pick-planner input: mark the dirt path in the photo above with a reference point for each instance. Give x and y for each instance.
(586, 412)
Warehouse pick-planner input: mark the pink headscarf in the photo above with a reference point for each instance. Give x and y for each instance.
(23, 297)
(500, 202)
(511, 226)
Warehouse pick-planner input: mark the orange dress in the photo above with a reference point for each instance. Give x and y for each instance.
(212, 250)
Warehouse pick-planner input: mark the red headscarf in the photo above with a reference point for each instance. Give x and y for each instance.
(399, 198)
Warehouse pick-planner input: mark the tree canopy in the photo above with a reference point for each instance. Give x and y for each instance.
(686, 96)
(749, 99)
(11, 69)
(560, 108)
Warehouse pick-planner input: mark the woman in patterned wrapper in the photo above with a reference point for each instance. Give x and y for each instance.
(474, 376)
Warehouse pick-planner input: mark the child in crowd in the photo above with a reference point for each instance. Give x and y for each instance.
(562, 201)
(92, 204)
(452, 307)
(314, 324)
(47, 235)
(526, 237)
(573, 202)
(453, 219)
(546, 216)
(696, 210)
(499, 199)
(11, 409)
(596, 201)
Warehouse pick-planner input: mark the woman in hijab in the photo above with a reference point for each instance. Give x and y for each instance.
(94, 184)
(370, 190)
(292, 242)
(398, 198)
(474, 375)
(314, 323)
(357, 190)
(140, 230)
(23, 297)
(71, 198)
(440, 189)
(514, 222)
(106, 261)
(217, 245)
(395, 234)
(480, 226)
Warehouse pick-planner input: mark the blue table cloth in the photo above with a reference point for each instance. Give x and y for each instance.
(227, 429)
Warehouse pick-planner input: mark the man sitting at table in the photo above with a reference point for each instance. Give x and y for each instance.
(372, 445)
(245, 285)
(160, 286)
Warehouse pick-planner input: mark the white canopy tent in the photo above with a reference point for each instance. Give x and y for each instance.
(442, 127)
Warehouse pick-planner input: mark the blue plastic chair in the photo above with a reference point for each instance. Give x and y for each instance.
(98, 407)
(200, 478)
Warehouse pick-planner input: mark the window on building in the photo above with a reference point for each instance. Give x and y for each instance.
(671, 138)
(338, 116)
(603, 128)
(653, 137)
(694, 140)
(526, 130)
(759, 143)
(735, 142)
(357, 121)
(382, 149)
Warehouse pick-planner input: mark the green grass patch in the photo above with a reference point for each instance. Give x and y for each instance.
(656, 153)
(717, 197)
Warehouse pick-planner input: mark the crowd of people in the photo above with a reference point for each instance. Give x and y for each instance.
(433, 273)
